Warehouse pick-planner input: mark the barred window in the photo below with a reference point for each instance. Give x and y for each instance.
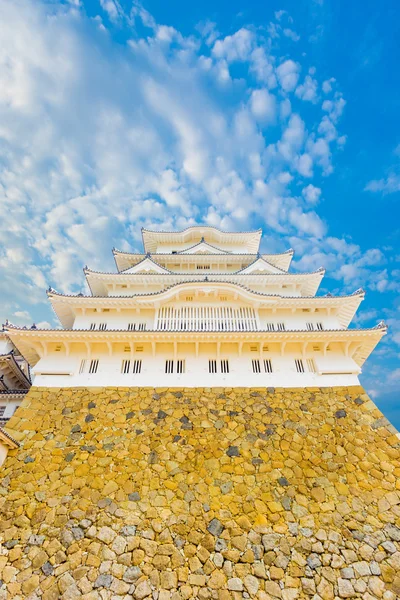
(299, 365)
(320, 327)
(102, 326)
(267, 365)
(94, 365)
(2, 410)
(169, 366)
(126, 364)
(180, 366)
(310, 326)
(255, 363)
(224, 366)
(82, 366)
(281, 326)
(92, 326)
(270, 327)
(212, 366)
(137, 366)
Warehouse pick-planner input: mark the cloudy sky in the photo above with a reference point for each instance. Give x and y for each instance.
(282, 115)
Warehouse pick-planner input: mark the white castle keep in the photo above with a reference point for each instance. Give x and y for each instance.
(200, 308)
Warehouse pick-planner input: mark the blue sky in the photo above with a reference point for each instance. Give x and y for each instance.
(281, 115)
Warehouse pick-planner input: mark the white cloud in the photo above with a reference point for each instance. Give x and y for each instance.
(98, 139)
(395, 375)
(305, 165)
(22, 314)
(292, 138)
(288, 74)
(321, 153)
(262, 65)
(112, 8)
(334, 107)
(327, 85)
(308, 90)
(311, 193)
(235, 47)
(289, 33)
(388, 185)
(279, 14)
(308, 223)
(263, 105)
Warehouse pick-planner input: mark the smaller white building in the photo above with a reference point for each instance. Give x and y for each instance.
(14, 378)
(200, 307)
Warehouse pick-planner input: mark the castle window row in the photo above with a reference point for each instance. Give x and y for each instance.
(179, 366)
(186, 322)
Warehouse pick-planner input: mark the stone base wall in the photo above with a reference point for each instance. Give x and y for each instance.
(119, 493)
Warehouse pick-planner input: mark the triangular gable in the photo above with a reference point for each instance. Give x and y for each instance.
(146, 266)
(203, 248)
(260, 266)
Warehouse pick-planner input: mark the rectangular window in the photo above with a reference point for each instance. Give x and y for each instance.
(82, 366)
(126, 364)
(311, 365)
(270, 327)
(2, 410)
(320, 327)
(94, 365)
(281, 326)
(92, 326)
(212, 366)
(102, 326)
(169, 366)
(180, 366)
(299, 365)
(224, 366)
(203, 267)
(137, 367)
(255, 363)
(310, 326)
(267, 365)
(136, 326)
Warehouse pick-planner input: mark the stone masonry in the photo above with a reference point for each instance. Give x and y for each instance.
(120, 493)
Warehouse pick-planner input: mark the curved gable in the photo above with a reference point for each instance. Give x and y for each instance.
(260, 266)
(147, 265)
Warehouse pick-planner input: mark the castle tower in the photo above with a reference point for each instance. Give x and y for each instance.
(14, 385)
(200, 307)
(197, 431)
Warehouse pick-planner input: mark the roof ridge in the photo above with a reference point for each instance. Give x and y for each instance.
(320, 270)
(259, 230)
(357, 292)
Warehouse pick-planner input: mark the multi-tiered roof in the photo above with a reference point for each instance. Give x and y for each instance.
(202, 263)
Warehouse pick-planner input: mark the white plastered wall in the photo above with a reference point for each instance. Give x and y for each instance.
(59, 370)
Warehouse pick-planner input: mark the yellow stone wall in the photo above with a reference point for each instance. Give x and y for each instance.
(119, 493)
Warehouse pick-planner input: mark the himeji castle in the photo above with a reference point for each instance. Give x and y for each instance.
(196, 430)
(200, 307)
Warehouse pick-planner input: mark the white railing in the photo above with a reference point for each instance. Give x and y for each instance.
(206, 318)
